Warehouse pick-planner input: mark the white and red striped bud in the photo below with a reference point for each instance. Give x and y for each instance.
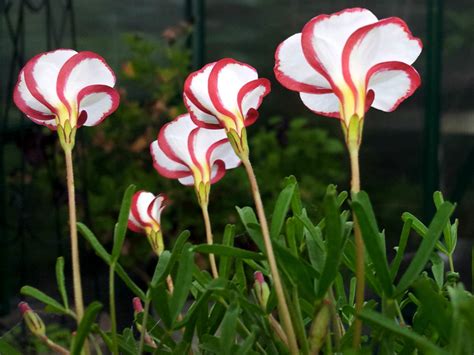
(261, 289)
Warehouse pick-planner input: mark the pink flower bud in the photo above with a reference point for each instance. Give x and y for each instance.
(137, 305)
(259, 277)
(24, 307)
(32, 320)
(261, 289)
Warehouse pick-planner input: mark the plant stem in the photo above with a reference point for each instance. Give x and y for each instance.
(76, 270)
(144, 322)
(282, 304)
(58, 349)
(359, 245)
(113, 317)
(451, 263)
(207, 223)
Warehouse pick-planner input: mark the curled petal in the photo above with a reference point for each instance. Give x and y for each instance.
(392, 83)
(200, 117)
(96, 102)
(145, 211)
(292, 69)
(196, 93)
(250, 98)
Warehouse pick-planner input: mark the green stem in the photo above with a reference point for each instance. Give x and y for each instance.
(113, 317)
(451, 262)
(359, 245)
(282, 303)
(146, 309)
(76, 270)
(207, 223)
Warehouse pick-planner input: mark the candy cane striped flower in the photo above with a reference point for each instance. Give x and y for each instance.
(145, 216)
(344, 63)
(226, 94)
(65, 89)
(193, 155)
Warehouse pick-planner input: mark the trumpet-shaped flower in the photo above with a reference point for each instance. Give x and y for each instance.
(344, 63)
(145, 216)
(65, 89)
(226, 94)
(193, 155)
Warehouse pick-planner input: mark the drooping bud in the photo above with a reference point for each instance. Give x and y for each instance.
(32, 320)
(261, 289)
(137, 305)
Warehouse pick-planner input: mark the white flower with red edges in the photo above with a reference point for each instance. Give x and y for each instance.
(145, 217)
(65, 89)
(193, 155)
(225, 94)
(344, 63)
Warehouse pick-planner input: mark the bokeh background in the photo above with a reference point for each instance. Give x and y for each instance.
(427, 144)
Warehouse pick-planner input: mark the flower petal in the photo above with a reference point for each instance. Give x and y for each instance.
(250, 97)
(156, 207)
(388, 40)
(226, 79)
(82, 70)
(292, 69)
(98, 102)
(323, 39)
(41, 75)
(200, 117)
(28, 104)
(196, 92)
(187, 180)
(165, 165)
(392, 83)
(323, 104)
(140, 203)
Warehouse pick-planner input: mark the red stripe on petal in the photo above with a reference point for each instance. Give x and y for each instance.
(220, 171)
(247, 89)
(98, 89)
(188, 91)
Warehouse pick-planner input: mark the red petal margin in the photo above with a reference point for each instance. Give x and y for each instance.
(134, 228)
(189, 93)
(415, 80)
(213, 84)
(290, 83)
(134, 208)
(94, 89)
(67, 68)
(220, 171)
(197, 121)
(23, 106)
(358, 36)
(170, 174)
(192, 153)
(250, 86)
(310, 53)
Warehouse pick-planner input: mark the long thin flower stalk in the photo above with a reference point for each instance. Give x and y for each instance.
(359, 246)
(282, 304)
(207, 223)
(76, 269)
(144, 323)
(113, 317)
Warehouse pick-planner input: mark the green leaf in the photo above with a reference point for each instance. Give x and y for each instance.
(281, 210)
(161, 302)
(291, 224)
(437, 268)
(102, 253)
(162, 269)
(228, 329)
(334, 242)
(121, 226)
(223, 250)
(248, 218)
(402, 244)
(61, 281)
(85, 327)
(373, 240)
(421, 230)
(184, 278)
(225, 262)
(7, 349)
(317, 256)
(54, 305)
(421, 342)
(426, 247)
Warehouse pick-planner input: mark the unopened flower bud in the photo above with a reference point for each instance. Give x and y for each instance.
(319, 328)
(261, 289)
(32, 320)
(137, 305)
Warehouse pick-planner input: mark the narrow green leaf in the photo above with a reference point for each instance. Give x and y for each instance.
(340, 288)
(334, 241)
(228, 329)
(317, 256)
(121, 226)
(437, 268)
(291, 224)
(225, 262)
(223, 250)
(60, 280)
(377, 319)
(372, 239)
(426, 247)
(184, 278)
(248, 218)
(161, 302)
(402, 244)
(102, 253)
(281, 210)
(315, 234)
(54, 305)
(448, 241)
(84, 328)
(421, 230)
(162, 269)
